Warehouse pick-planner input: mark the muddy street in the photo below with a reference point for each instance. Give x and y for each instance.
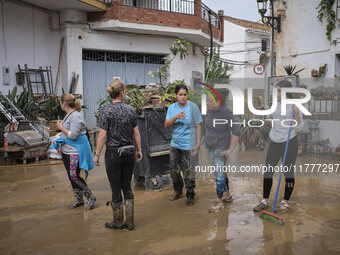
(35, 219)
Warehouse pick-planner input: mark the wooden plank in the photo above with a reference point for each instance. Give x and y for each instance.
(11, 149)
(28, 80)
(59, 65)
(25, 153)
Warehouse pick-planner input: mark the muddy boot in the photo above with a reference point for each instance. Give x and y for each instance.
(261, 206)
(117, 209)
(190, 197)
(129, 214)
(216, 206)
(283, 206)
(227, 198)
(90, 198)
(78, 195)
(176, 195)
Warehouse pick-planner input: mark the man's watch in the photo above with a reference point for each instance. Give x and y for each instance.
(96, 153)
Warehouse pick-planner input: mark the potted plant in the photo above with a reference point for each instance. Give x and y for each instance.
(313, 124)
(322, 70)
(157, 102)
(315, 73)
(290, 70)
(257, 137)
(337, 151)
(51, 111)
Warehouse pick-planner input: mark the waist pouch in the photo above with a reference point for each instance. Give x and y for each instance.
(126, 150)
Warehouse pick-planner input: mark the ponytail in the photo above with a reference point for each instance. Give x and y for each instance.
(71, 101)
(77, 105)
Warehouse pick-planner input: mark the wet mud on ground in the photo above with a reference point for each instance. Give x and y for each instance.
(34, 218)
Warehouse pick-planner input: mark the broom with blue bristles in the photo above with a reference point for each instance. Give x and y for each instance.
(271, 216)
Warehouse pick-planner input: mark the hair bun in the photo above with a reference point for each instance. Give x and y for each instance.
(117, 87)
(114, 89)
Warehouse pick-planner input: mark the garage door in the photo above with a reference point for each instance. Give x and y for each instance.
(99, 68)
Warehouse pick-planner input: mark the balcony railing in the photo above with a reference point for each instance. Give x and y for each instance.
(179, 6)
(329, 106)
(215, 21)
(106, 1)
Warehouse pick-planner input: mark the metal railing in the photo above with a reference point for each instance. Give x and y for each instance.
(206, 11)
(179, 6)
(325, 106)
(106, 1)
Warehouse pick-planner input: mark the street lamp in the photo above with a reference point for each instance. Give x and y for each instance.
(274, 22)
(262, 6)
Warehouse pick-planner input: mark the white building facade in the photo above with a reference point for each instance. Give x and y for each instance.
(242, 48)
(96, 47)
(303, 42)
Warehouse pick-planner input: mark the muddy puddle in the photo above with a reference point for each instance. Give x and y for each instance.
(34, 218)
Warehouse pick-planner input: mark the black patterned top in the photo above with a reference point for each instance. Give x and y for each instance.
(118, 119)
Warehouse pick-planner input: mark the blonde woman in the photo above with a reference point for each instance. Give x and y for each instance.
(75, 149)
(119, 130)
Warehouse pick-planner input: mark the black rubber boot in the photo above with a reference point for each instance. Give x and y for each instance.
(117, 209)
(129, 214)
(90, 198)
(190, 197)
(78, 195)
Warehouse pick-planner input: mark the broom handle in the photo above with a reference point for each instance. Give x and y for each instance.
(283, 162)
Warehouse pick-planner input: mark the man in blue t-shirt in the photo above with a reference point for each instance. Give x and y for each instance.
(185, 119)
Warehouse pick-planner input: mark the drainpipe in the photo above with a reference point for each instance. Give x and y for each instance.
(272, 66)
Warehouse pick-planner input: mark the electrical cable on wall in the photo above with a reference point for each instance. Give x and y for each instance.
(257, 49)
(33, 31)
(257, 40)
(211, 35)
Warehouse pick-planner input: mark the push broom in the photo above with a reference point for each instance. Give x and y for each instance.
(271, 216)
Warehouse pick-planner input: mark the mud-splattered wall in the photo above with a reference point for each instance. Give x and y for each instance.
(303, 42)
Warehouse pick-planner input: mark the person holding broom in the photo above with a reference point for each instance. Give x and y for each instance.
(278, 137)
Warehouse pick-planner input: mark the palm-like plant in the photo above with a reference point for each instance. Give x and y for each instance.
(26, 103)
(50, 109)
(290, 70)
(257, 137)
(215, 68)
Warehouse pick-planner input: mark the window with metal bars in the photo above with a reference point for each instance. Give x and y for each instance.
(93, 55)
(123, 57)
(115, 57)
(154, 59)
(265, 44)
(134, 58)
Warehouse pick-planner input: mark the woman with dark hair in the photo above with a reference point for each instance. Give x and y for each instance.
(220, 140)
(118, 128)
(278, 136)
(185, 119)
(75, 149)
